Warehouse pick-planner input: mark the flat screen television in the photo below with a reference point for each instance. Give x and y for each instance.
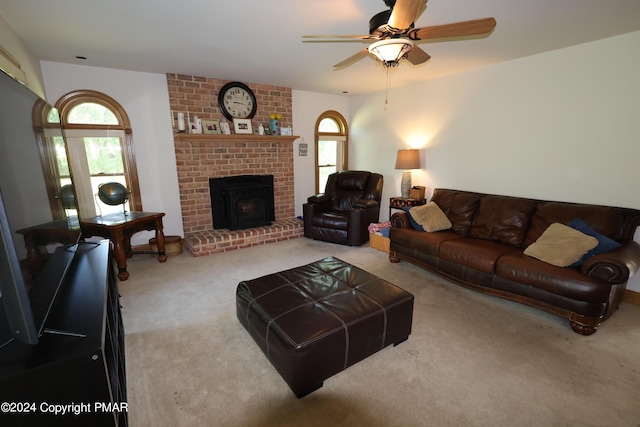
(16, 306)
(24, 202)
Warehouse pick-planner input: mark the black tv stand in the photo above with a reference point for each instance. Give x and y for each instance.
(85, 369)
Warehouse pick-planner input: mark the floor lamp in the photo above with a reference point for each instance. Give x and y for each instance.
(406, 160)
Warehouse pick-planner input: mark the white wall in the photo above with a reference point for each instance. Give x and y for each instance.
(307, 107)
(145, 98)
(562, 125)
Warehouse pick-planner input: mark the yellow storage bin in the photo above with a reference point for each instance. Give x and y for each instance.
(379, 242)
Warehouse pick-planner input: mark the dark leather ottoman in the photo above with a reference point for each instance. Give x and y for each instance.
(316, 320)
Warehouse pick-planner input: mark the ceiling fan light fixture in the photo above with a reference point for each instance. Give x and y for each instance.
(390, 51)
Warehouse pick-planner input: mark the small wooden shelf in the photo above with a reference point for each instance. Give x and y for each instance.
(184, 137)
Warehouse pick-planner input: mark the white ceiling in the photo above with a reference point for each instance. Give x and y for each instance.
(260, 41)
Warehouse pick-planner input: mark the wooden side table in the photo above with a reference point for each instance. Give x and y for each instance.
(65, 231)
(404, 202)
(119, 227)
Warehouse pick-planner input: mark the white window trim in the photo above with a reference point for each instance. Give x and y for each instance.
(94, 133)
(339, 138)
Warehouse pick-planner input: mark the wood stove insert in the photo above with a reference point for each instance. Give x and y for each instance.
(242, 201)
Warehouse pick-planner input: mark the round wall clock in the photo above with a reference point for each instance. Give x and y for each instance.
(237, 101)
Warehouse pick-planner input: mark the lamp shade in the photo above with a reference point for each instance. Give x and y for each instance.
(408, 159)
(390, 51)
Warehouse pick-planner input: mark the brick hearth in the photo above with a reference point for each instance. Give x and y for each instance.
(214, 241)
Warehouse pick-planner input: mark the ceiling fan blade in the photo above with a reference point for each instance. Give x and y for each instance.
(457, 29)
(421, 10)
(352, 59)
(405, 12)
(417, 56)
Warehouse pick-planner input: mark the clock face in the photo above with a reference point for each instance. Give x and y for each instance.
(237, 101)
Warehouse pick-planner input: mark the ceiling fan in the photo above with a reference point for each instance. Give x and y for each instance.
(393, 34)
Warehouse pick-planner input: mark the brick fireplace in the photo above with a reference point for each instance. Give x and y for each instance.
(200, 157)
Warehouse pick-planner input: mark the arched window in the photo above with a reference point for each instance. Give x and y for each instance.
(331, 146)
(99, 149)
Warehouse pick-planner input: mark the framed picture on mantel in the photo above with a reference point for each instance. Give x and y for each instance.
(242, 126)
(224, 127)
(211, 127)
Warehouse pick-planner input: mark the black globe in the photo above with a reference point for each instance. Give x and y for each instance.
(113, 193)
(66, 197)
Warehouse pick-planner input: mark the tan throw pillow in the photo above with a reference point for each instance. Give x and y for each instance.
(561, 245)
(430, 217)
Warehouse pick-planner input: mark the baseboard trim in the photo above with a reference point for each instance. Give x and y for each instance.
(631, 297)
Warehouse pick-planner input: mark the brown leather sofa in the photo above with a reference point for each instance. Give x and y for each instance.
(350, 202)
(484, 250)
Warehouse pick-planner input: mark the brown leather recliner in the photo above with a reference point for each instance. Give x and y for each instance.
(342, 213)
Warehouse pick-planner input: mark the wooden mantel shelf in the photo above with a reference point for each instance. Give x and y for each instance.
(186, 137)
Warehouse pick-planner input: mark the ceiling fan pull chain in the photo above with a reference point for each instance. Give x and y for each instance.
(386, 93)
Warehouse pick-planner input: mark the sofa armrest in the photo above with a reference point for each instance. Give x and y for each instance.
(366, 204)
(614, 266)
(400, 220)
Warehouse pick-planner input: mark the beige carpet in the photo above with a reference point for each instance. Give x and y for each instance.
(471, 360)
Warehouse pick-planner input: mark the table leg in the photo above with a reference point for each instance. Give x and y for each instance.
(119, 253)
(162, 257)
(34, 257)
(127, 247)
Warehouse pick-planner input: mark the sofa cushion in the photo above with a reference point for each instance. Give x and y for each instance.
(561, 245)
(567, 282)
(605, 244)
(428, 243)
(459, 206)
(430, 217)
(477, 254)
(608, 221)
(412, 221)
(503, 219)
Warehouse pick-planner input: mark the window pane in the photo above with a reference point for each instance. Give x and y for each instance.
(53, 116)
(328, 125)
(104, 156)
(324, 173)
(91, 113)
(61, 157)
(327, 153)
(331, 146)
